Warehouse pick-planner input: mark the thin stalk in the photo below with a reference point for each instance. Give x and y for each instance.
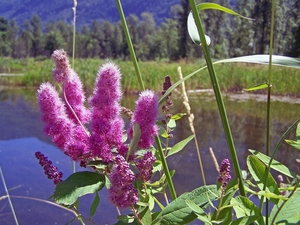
(219, 98)
(138, 73)
(74, 32)
(130, 45)
(269, 104)
(166, 168)
(8, 197)
(73, 58)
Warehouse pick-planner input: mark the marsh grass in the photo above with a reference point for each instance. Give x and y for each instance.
(232, 77)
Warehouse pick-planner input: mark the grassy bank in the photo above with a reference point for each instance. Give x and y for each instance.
(232, 77)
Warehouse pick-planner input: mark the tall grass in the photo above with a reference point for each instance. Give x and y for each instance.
(232, 77)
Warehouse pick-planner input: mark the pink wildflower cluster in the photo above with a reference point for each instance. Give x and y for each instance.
(145, 167)
(224, 174)
(67, 122)
(107, 124)
(122, 192)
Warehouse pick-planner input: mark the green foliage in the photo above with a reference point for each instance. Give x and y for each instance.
(287, 212)
(178, 212)
(180, 145)
(94, 204)
(77, 185)
(296, 143)
(275, 165)
(257, 170)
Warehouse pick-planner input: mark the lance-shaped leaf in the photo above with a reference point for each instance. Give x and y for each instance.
(180, 145)
(257, 169)
(77, 185)
(257, 87)
(277, 60)
(296, 143)
(275, 165)
(178, 212)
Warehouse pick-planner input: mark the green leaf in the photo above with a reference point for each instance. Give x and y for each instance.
(126, 219)
(257, 87)
(257, 170)
(178, 116)
(180, 145)
(290, 211)
(277, 60)
(94, 205)
(295, 144)
(178, 212)
(225, 215)
(275, 165)
(77, 185)
(201, 215)
(99, 164)
(243, 208)
(145, 215)
(245, 220)
(209, 5)
(271, 195)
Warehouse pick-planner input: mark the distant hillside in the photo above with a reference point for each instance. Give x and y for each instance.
(87, 10)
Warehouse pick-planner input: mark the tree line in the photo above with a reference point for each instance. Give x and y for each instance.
(231, 36)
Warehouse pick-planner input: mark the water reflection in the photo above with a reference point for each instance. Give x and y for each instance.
(21, 135)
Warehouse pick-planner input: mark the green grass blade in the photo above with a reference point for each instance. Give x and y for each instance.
(277, 60)
(210, 5)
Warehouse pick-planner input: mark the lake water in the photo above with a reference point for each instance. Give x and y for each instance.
(21, 136)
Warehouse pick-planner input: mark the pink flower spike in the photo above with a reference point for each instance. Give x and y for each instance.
(72, 87)
(62, 66)
(106, 122)
(145, 115)
(57, 124)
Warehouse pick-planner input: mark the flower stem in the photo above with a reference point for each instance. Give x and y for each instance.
(219, 98)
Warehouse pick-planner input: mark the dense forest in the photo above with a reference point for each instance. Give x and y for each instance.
(231, 36)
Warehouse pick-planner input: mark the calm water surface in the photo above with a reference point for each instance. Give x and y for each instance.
(21, 136)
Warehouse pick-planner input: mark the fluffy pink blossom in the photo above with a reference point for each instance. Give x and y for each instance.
(57, 124)
(106, 123)
(72, 87)
(145, 115)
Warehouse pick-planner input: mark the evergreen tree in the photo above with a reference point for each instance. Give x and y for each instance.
(241, 37)
(182, 29)
(37, 34)
(294, 49)
(5, 45)
(261, 26)
(54, 40)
